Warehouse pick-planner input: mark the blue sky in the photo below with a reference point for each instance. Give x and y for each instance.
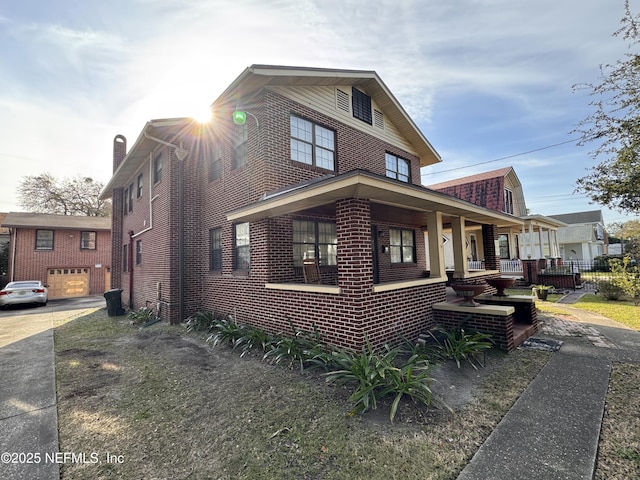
(483, 79)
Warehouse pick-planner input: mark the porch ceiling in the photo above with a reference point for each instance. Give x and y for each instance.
(377, 189)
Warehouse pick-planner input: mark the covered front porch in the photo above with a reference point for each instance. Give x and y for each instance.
(388, 269)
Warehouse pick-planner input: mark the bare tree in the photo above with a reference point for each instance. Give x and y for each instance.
(71, 196)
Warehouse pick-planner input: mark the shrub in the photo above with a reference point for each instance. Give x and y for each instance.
(225, 331)
(627, 278)
(201, 321)
(302, 347)
(377, 376)
(458, 345)
(610, 290)
(142, 315)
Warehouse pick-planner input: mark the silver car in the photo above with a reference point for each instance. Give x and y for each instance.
(24, 292)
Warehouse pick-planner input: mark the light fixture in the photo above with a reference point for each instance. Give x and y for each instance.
(240, 117)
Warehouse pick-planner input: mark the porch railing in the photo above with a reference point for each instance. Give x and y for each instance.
(511, 266)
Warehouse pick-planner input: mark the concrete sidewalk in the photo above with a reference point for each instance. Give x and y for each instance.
(28, 407)
(552, 431)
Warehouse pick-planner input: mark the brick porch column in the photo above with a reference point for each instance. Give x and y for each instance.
(355, 259)
(491, 256)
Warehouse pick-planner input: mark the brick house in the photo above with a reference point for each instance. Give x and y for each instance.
(70, 254)
(501, 190)
(323, 167)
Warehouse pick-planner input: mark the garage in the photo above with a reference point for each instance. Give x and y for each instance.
(68, 282)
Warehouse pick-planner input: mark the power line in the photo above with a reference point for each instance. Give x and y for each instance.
(504, 158)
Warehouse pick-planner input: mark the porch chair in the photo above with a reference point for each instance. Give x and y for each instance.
(311, 271)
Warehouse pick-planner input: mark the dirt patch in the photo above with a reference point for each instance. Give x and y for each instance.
(173, 407)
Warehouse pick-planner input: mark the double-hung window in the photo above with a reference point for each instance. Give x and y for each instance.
(312, 144)
(242, 246)
(215, 249)
(240, 145)
(402, 245)
(215, 163)
(397, 167)
(138, 252)
(157, 169)
(88, 240)
(44, 239)
(139, 187)
(508, 201)
(314, 240)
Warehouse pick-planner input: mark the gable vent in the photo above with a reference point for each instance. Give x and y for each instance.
(378, 119)
(342, 101)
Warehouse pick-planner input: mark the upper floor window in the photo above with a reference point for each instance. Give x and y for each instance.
(215, 163)
(139, 188)
(215, 249)
(88, 240)
(138, 252)
(125, 257)
(131, 197)
(361, 105)
(397, 167)
(240, 146)
(315, 240)
(312, 144)
(125, 205)
(157, 169)
(44, 239)
(242, 246)
(508, 201)
(402, 245)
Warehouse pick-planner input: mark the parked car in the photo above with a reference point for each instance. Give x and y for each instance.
(24, 292)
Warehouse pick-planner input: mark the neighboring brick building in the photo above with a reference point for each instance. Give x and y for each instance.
(70, 254)
(326, 166)
(501, 190)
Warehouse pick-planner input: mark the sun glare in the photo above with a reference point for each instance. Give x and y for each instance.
(202, 115)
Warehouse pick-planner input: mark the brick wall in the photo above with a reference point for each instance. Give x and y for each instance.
(32, 264)
(200, 205)
(499, 327)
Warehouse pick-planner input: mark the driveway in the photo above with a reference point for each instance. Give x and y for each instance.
(28, 415)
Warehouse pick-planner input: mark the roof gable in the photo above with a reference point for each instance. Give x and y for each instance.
(46, 220)
(256, 77)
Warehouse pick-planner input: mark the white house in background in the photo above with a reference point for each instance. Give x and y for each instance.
(500, 190)
(584, 238)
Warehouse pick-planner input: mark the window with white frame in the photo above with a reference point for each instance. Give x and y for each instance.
(88, 240)
(312, 144)
(508, 201)
(139, 187)
(503, 244)
(397, 167)
(242, 246)
(44, 239)
(313, 239)
(402, 245)
(240, 146)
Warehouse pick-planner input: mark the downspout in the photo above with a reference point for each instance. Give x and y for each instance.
(181, 239)
(131, 269)
(13, 255)
(151, 199)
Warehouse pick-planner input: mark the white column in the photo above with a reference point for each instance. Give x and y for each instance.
(435, 246)
(541, 244)
(460, 264)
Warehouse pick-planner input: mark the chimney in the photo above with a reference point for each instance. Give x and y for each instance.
(119, 150)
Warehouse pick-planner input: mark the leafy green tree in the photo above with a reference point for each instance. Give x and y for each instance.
(614, 126)
(4, 258)
(627, 233)
(627, 277)
(71, 196)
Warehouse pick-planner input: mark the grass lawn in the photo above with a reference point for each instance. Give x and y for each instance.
(621, 311)
(169, 406)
